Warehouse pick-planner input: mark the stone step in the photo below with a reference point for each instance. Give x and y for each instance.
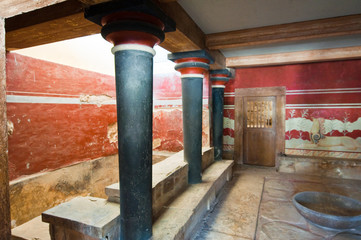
(170, 178)
(182, 217)
(33, 229)
(94, 218)
(84, 218)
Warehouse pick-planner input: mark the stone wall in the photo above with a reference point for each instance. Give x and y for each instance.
(60, 115)
(32, 195)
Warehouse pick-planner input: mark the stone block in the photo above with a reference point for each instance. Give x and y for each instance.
(83, 218)
(170, 178)
(207, 157)
(182, 216)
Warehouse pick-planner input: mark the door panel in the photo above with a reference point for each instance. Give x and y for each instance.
(259, 135)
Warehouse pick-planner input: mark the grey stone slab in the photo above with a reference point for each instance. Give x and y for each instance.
(212, 235)
(282, 230)
(281, 211)
(91, 216)
(185, 213)
(33, 229)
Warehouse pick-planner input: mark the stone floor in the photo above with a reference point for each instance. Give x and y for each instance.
(236, 215)
(244, 213)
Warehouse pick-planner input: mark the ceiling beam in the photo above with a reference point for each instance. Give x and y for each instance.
(66, 21)
(10, 8)
(333, 54)
(64, 28)
(188, 36)
(329, 27)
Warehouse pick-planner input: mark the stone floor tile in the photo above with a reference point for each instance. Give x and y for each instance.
(212, 235)
(281, 230)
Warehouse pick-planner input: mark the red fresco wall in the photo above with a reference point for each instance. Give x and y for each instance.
(329, 91)
(62, 115)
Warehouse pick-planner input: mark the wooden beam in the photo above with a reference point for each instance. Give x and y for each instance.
(45, 14)
(188, 35)
(10, 8)
(65, 21)
(64, 28)
(185, 25)
(5, 227)
(329, 27)
(295, 57)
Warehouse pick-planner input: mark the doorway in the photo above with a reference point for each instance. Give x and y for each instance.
(259, 125)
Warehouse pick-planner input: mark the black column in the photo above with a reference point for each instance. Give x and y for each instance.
(219, 78)
(218, 103)
(192, 65)
(134, 89)
(134, 27)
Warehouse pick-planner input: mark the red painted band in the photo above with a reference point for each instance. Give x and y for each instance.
(219, 75)
(132, 16)
(219, 83)
(192, 59)
(192, 70)
(132, 37)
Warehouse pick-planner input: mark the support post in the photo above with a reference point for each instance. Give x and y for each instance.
(134, 27)
(192, 66)
(5, 227)
(219, 78)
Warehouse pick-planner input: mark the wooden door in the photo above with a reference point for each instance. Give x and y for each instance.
(259, 134)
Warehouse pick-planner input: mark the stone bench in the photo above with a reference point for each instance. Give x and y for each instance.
(83, 218)
(326, 167)
(170, 178)
(89, 218)
(184, 215)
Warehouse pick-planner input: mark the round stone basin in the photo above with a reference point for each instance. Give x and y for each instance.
(328, 210)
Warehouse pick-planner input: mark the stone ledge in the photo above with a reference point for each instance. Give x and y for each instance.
(170, 178)
(183, 215)
(327, 167)
(33, 229)
(94, 217)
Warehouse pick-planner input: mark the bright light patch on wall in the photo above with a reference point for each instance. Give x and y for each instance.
(91, 53)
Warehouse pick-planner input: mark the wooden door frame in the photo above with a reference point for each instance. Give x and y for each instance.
(240, 93)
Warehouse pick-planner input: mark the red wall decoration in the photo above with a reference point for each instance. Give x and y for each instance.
(59, 115)
(323, 100)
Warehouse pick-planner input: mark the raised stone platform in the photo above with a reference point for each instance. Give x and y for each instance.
(182, 216)
(83, 218)
(169, 179)
(90, 218)
(326, 167)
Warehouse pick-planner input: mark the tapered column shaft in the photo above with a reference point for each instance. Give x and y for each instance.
(134, 27)
(134, 90)
(218, 78)
(192, 89)
(218, 105)
(192, 66)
